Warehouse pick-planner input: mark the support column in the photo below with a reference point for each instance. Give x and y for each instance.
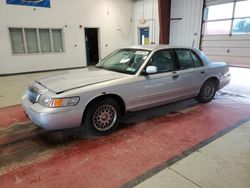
(164, 19)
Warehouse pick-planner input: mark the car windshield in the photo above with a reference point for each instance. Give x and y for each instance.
(125, 60)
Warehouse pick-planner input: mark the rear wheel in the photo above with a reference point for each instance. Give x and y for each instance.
(102, 117)
(207, 91)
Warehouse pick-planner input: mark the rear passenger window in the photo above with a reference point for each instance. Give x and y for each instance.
(197, 61)
(185, 59)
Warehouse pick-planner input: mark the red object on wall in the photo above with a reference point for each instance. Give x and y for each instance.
(164, 19)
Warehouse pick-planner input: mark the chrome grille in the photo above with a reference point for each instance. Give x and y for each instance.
(33, 93)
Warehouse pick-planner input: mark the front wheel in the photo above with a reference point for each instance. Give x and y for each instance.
(102, 116)
(207, 91)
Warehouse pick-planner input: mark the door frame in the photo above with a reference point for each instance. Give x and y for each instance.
(98, 42)
(139, 33)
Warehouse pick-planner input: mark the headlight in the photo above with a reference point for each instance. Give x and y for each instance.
(44, 100)
(58, 102)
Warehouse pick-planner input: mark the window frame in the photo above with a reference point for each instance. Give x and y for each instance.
(38, 41)
(231, 19)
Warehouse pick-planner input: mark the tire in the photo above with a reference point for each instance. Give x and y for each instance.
(102, 117)
(207, 91)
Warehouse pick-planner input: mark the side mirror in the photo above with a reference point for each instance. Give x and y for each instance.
(151, 69)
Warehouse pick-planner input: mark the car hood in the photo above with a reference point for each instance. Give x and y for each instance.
(74, 79)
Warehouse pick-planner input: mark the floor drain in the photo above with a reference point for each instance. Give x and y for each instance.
(20, 140)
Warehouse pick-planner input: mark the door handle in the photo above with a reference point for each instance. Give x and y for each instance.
(176, 76)
(202, 72)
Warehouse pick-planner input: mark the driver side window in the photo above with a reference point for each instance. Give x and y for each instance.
(163, 61)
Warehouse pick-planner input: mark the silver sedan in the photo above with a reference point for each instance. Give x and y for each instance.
(128, 79)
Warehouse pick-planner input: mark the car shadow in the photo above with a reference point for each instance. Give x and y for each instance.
(129, 119)
(148, 114)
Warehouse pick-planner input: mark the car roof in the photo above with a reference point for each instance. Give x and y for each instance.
(155, 47)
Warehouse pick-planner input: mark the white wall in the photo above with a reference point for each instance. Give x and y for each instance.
(182, 31)
(147, 9)
(113, 17)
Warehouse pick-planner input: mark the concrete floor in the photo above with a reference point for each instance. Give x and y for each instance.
(184, 144)
(223, 163)
(13, 87)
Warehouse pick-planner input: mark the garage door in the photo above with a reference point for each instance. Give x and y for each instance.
(226, 31)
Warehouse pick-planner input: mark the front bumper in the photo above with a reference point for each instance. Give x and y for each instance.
(52, 118)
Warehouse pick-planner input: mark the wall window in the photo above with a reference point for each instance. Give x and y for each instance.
(217, 27)
(45, 43)
(227, 19)
(242, 9)
(31, 40)
(217, 12)
(17, 43)
(34, 40)
(57, 40)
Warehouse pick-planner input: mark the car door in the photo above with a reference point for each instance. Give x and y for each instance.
(191, 72)
(158, 88)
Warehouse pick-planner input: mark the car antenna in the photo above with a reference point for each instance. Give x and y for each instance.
(195, 34)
